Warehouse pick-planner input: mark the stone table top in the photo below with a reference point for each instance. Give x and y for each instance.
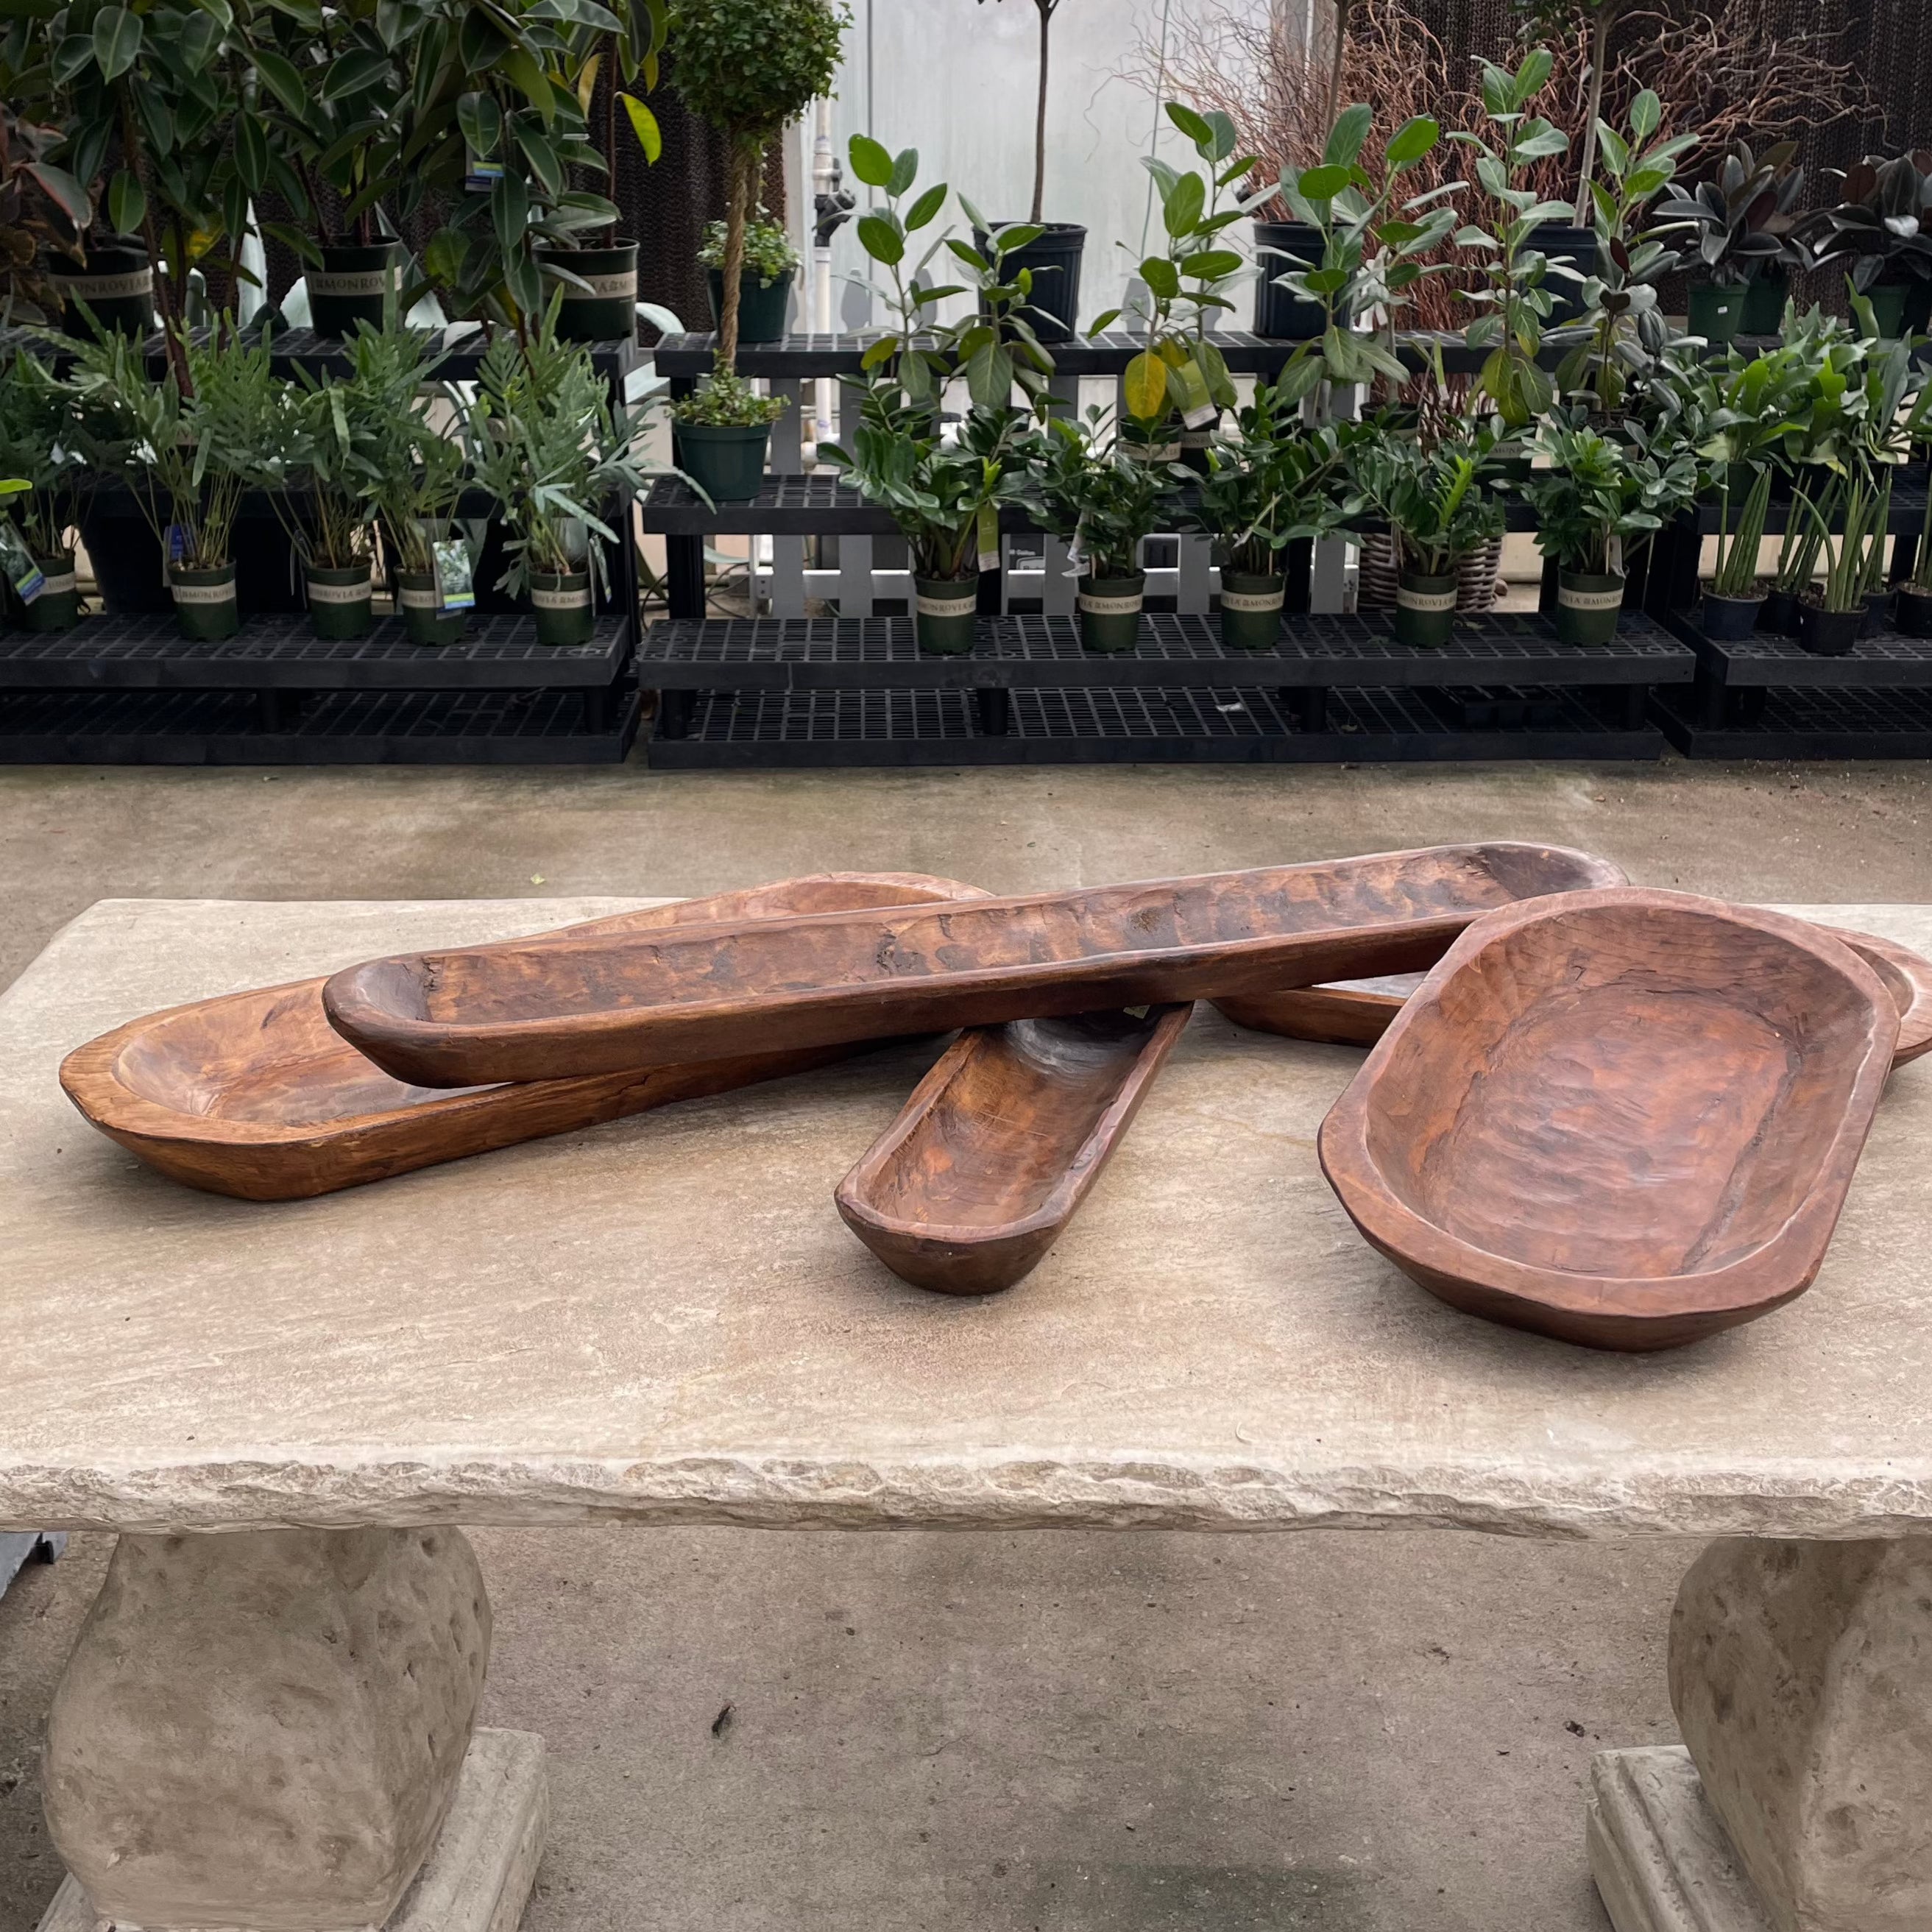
(663, 1320)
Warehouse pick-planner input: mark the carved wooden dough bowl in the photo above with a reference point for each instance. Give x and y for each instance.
(255, 1095)
(1000, 1143)
(1357, 1013)
(601, 1004)
(1625, 1118)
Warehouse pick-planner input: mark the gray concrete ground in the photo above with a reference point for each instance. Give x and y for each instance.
(1052, 1732)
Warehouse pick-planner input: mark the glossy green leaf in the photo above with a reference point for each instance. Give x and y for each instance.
(644, 125)
(117, 41)
(1144, 387)
(870, 162)
(880, 237)
(1411, 141)
(251, 152)
(481, 121)
(127, 202)
(359, 69)
(928, 206)
(283, 78)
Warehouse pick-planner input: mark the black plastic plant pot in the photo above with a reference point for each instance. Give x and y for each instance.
(1251, 609)
(117, 285)
(339, 604)
(606, 311)
(1728, 619)
(1053, 259)
(268, 570)
(1888, 301)
(1559, 241)
(424, 620)
(944, 611)
(1513, 471)
(1914, 616)
(1829, 633)
(1717, 311)
(1110, 612)
(1781, 613)
(1764, 303)
(1878, 612)
(127, 568)
(1425, 610)
(1195, 444)
(1589, 607)
(562, 605)
(1280, 314)
(726, 461)
(205, 605)
(58, 607)
(350, 285)
(761, 310)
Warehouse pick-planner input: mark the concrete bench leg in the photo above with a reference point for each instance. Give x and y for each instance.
(274, 1732)
(1802, 1677)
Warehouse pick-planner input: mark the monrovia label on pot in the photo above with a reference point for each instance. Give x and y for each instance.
(339, 593)
(1589, 600)
(946, 606)
(353, 281)
(578, 599)
(109, 288)
(55, 586)
(455, 589)
(1197, 438)
(603, 287)
(204, 593)
(416, 597)
(26, 575)
(1110, 607)
(1258, 601)
(1424, 600)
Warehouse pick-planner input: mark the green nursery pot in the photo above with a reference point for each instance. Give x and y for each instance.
(117, 285)
(1251, 610)
(945, 612)
(339, 600)
(563, 608)
(606, 311)
(204, 606)
(1764, 303)
(1588, 607)
(1110, 611)
(1425, 610)
(58, 607)
(350, 286)
(1888, 301)
(726, 461)
(424, 620)
(1717, 311)
(762, 309)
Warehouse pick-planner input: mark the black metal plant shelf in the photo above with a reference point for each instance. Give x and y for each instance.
(212, 727)
(1226, 724)
(1801, 722)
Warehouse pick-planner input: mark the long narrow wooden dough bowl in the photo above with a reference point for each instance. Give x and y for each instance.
(1000, 1143)
(1623, 1118)
(1358, 1012)
(602, 1004)
(255, 1095)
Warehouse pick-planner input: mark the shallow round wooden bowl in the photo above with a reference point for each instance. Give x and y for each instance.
(1625, 1118)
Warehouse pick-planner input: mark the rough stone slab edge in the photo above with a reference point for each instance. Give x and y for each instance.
(1661, 1858)
(478, 1877)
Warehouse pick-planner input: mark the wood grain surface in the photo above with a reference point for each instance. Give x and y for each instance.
(1000, 1143)
(255, 1095)
(606, 1004)
(1625, 1118)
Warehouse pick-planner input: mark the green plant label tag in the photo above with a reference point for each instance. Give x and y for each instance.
(989, 537)
(1197, 406)
(176, 546)
(479, 176)
(455, 588)
(26, 575)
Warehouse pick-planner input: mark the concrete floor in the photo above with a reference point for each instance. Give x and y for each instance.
(1052, 1732)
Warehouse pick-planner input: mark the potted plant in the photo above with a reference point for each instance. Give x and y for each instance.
(44, 446)
(1103, 497)
(1276, 483)
(764, 295)
(1598, 499)
(1851, 544)
(545, 444)
(188, 455)
(1437, 510)
(749, 67)
(1514, 298)
(1051, 258)
(1880, 230)
(1744, 212)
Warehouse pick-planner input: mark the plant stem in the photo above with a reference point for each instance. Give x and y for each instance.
(131, 153)
(1600, 42)
(746, 158)
(1343, 10)
(1046, 8)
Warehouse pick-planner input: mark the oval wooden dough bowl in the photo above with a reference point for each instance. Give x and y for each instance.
(1001, 1142)
(255, 1094)
(603, 1004)
(1623, 1118)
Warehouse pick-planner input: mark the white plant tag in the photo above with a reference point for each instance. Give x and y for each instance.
(454, 588)
(27, 577)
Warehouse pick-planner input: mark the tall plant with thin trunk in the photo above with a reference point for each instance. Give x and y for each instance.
(1598, 17)
(1046, 9)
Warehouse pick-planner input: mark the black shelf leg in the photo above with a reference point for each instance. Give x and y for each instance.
(992, 704)
(1308, 704)
(674, 709)
(684, 577)
(275, 710)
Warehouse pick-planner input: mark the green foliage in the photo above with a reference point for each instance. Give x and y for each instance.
(1601, 496)
(1882, 227)
(1101, 494)
(47, 441)
(1275, 482)
(545, 444)
(725, 401)
(1432, 495)
(749, 67)
(944, 496)
(1744, 211)
(769, 253)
